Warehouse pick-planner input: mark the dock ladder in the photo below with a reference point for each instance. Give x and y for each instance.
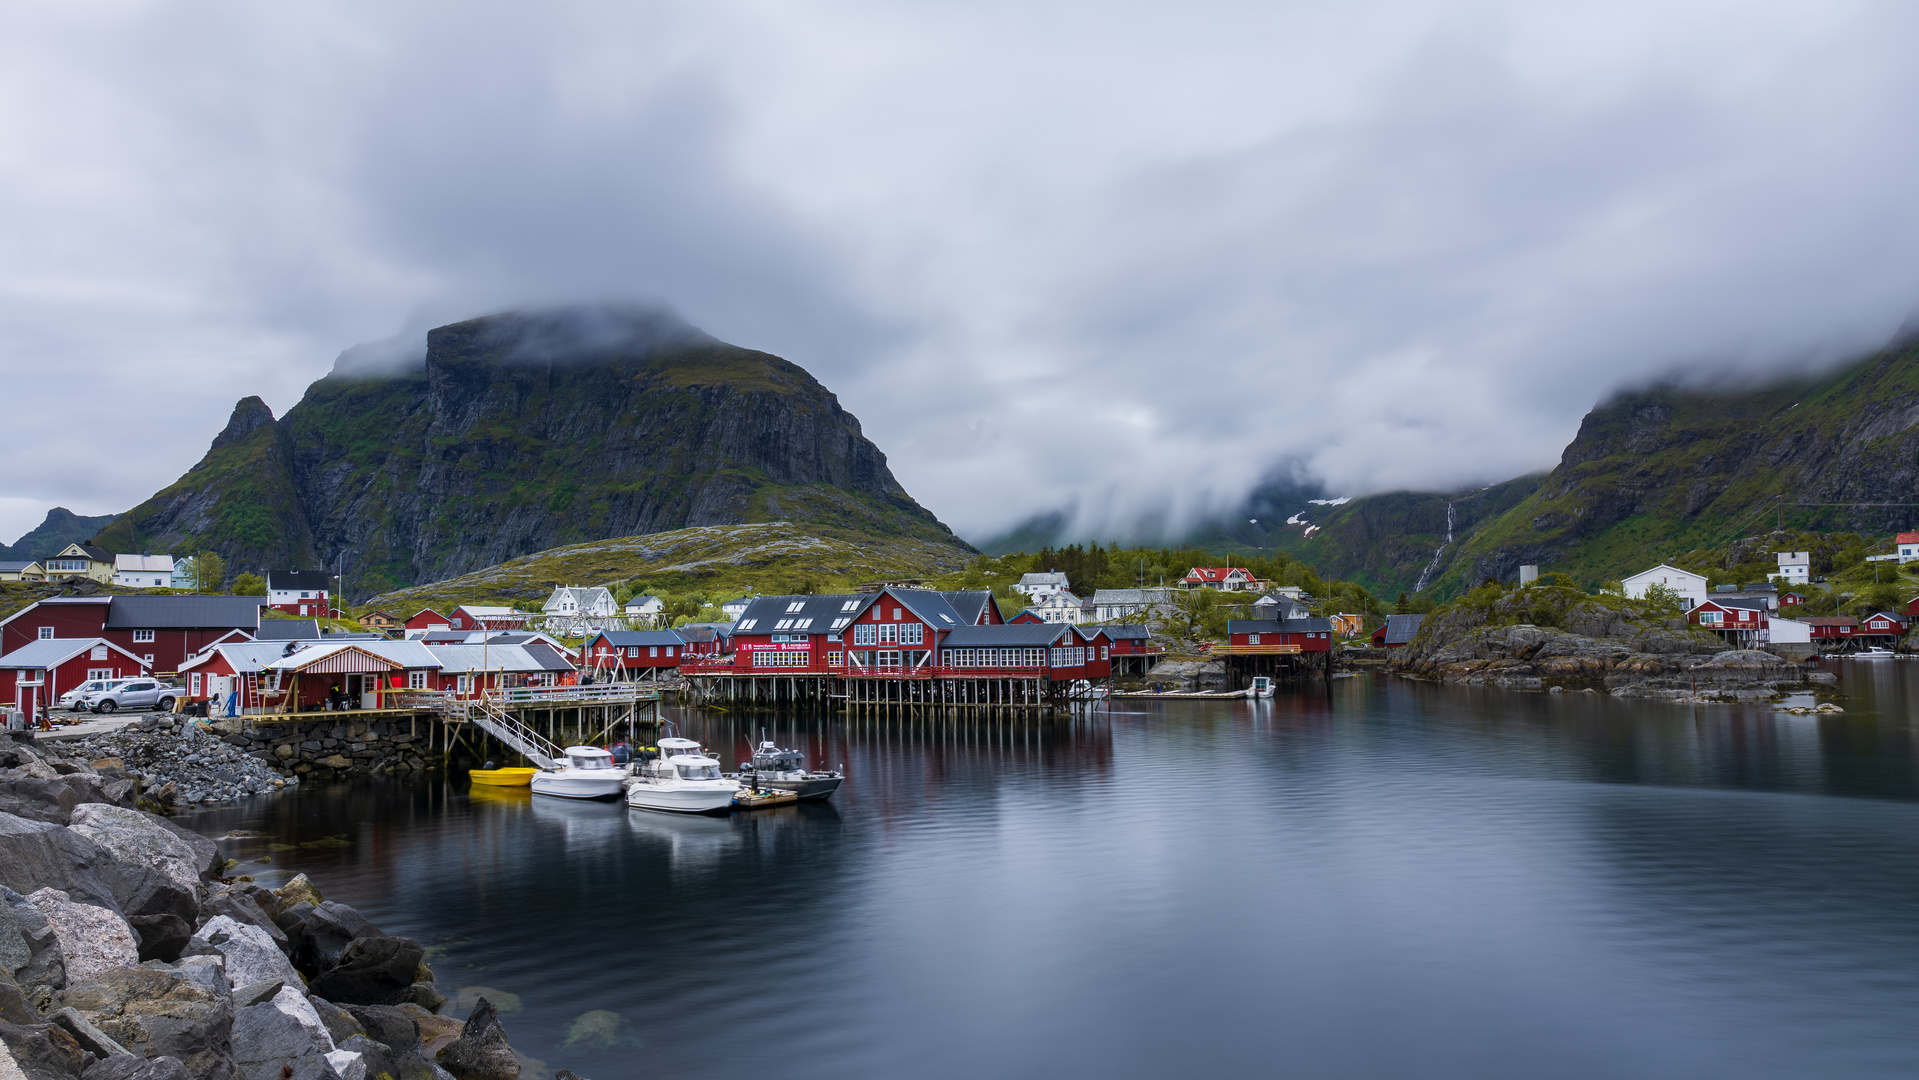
(500, 724)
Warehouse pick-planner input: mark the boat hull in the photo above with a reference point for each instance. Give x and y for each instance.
(503, 777)
(562, 785)
(820, 787)
(680, 800)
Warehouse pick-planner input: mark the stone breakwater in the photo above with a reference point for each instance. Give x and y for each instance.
(124, 955)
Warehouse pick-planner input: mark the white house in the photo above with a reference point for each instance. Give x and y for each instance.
(570, 607)
(1058, 607)
(643, 609)
(1039, 586)
(143, 571)
(1908, 549)
(1691, 587)
(1796, 566)
(1115, 605)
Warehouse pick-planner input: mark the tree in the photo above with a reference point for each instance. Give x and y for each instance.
(1403, 605)
(249, 584)
(209, 572)
(1665, 598)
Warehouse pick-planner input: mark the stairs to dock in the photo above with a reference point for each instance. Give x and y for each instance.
(497, 722)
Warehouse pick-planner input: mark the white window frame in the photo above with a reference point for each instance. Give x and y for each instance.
(142, 636)
(46, 633)
(416, 680)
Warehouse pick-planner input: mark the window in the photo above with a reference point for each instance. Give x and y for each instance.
(1252, 639)
(416, 680)
(46, 633)
(142, 635)
(149, 659)
(796, 607)
(945, 616)
(835, 658)
(912, 634)
(897, 614)
(840, 624)
(652, 650)
(193, 685)
(747, 624)
(465, 684)
(782, 624)
(633, 652)
(770, 658)
(669, 650)
(802, 624)
(99, 653)
(889, 633)
(887, 658)
(850, 605)
(1102, 652)
(862, 634)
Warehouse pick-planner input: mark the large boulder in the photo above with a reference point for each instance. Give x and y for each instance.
(244, 908)
(271, 1043)
(250, 955)
(372, 971)
(321, 935)
(41, 1051)
(481, 1052)
(38, 855)
(390, 1025)
(152, 871)
(207, 859)
(93, 939)
(157, 1013)
(161, 936)
(30, 949)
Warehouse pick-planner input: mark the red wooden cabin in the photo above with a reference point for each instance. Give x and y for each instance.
(625, 654)
(34, 677)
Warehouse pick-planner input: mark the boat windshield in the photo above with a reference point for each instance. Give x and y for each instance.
(592, 763)
(698, 772)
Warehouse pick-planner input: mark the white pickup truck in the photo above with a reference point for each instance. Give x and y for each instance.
(145, 692)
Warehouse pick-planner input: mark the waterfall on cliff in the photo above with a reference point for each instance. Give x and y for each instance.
(1427, 574)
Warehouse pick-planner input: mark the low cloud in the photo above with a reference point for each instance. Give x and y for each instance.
(1129, 260)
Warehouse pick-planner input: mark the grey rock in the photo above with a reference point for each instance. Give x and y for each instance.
(250, 955)
(372, 971)
(42, 1051)
(91, 1039)
(155, 872)
(340, 1024)
(93, 939)
(244, 908)
(157, 1013)
(481, 1052)
(45, 970)
(161, 937)
(388, 1024)
(255, 993)
(37, 855)
(209, 972)
(267, 1040)
(137, 1068)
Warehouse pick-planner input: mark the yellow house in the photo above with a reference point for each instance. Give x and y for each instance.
(80, 560)
(22, 571)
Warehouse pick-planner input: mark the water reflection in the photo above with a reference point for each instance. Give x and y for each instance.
(1377, 878)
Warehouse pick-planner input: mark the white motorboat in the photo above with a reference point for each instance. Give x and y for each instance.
(1874, 653)
(586, 772)
(785, 770)
(1084, 690)
(1262, 687)
(679, 778)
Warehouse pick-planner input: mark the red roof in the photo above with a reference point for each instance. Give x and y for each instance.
(1907, 538)
(1206, 573)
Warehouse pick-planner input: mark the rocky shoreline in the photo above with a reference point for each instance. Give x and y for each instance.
(126, 955)
(1590, 643)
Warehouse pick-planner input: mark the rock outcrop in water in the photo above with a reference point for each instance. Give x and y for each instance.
(1548, 637)
(124, 955)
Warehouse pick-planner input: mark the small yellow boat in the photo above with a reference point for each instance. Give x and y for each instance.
(503, 777)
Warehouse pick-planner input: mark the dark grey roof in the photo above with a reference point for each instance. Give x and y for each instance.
(929, 606)
(185, 612)
(1126, 632)
(1401, 628)
(288, 630)
(765, 612)
(1010, 635)
(300, 580)
(1750, 603)
(548, 657)
(623, 639)
(15, 567)
(969, 603)
(1279, 626)
(704, 633)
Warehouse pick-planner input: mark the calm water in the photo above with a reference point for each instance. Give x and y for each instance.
(1383, 880)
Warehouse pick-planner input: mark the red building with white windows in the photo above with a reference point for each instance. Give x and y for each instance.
(34, 676)
(479, 617)
(1223, 578)
(428, 619)
(1280, 635)
(303, 593)
(627, 655)
(163, 631)
(1741, 622)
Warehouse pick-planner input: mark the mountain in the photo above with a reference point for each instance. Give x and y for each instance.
(1663, 470)
(61, 527)
(517, 433)
(1651, 474)
(719, 561)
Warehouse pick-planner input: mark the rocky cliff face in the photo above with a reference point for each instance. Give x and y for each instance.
(1666, 470)
(518, 433)
(60, 528)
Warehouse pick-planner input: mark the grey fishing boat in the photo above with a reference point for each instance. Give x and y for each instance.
(785, 770)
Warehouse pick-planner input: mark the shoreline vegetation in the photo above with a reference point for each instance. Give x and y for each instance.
(126, 953)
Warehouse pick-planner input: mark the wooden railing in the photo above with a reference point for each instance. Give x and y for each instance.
(1255, 650)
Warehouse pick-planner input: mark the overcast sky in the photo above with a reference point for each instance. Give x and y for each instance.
(1120, 257)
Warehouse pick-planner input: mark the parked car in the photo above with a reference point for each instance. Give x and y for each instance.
(132, 694)
(71, 699)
